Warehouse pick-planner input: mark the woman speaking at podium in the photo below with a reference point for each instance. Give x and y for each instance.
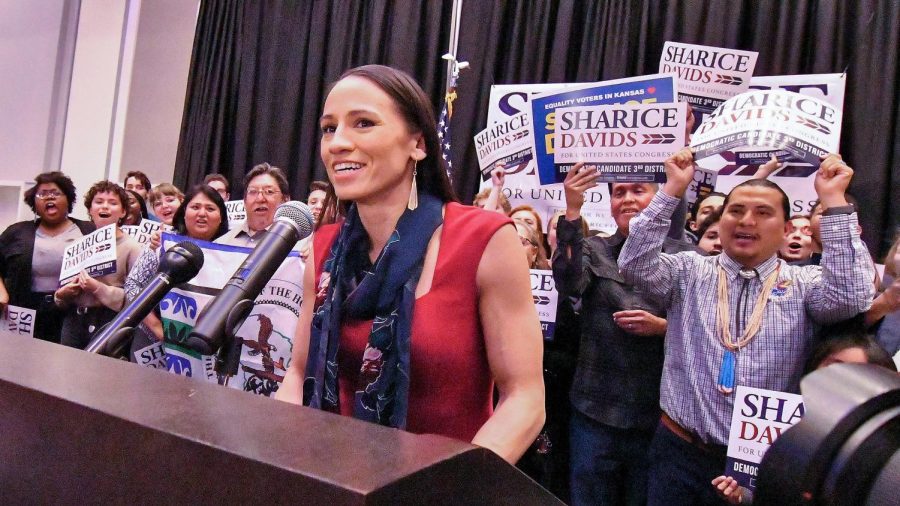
(423, 303)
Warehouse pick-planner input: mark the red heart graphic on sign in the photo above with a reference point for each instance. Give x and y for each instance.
(651, 90)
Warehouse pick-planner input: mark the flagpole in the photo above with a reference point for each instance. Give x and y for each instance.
(452, 64)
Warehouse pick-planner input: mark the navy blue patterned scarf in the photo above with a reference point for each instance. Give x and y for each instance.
(383, 292)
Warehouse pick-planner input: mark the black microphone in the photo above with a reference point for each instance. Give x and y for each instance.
(219, 319)
(180, 263)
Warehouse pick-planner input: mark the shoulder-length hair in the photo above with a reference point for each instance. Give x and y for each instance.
(205, 189)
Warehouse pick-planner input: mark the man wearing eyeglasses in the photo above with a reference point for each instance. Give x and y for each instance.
(611, 427)
(266, 188)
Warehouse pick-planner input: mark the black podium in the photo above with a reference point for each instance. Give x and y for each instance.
(86, 429)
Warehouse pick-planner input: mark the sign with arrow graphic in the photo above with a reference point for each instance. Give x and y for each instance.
(627, 143)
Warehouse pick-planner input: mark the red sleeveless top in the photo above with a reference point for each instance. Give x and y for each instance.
(451, 389)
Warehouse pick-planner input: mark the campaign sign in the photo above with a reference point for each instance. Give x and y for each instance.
(543, 291)
(726, 170)
(152, 356)
(236, 212)
(190, 364)
(507, 143)
(142, 231)
(626, 142)
(18, 321)
(522, 185)
(707, 76)
(759, 418)
(94, 253)
(804, 126)
(657, 88)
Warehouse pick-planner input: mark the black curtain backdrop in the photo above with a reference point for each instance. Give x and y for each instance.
(260, 70)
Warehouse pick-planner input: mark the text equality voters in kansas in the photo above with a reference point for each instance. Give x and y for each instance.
(804, 126)
(707, 76)
(94, 253)
(759, 418)
(627, 143)
(657, 88)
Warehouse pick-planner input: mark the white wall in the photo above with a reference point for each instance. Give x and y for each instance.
(158, 84)
(92, 87)
(31, 33)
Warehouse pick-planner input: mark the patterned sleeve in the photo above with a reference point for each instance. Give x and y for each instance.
(847, 284)
(140, 274)
(642, 261)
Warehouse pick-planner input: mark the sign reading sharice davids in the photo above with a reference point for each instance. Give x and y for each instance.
(804, 126)
(18, 320)
(707, 76)
(522, 185)
(657, 88)
(626, 142)
(507, 142)
(94, 253)
(543, 291)
(236, 212)
(759, 418)
(143, 231)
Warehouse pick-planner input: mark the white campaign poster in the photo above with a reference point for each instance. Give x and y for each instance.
(543, 291)
(142, 231)
(707, 76)
(726, 170)
(627, 143)
(804, 126)
(759, 418)
(522, 186)
(507, 142)
(18, 321)
(94, 253)
(236, 212)
(152, 356)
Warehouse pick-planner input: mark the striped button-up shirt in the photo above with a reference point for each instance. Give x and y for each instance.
(687, 283)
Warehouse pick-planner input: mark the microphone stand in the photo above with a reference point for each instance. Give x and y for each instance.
(228, 357)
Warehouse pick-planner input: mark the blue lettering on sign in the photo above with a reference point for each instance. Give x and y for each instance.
(178, 365)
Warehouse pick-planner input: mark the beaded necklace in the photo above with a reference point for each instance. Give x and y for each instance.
(723, 327)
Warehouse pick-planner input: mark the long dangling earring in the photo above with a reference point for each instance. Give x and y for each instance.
(413, 192)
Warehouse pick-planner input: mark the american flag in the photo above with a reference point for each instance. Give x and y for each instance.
(444, 125)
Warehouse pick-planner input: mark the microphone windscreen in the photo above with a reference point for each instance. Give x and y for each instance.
(182, 261)
(299, 214)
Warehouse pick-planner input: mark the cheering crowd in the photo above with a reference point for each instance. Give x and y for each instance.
(656, 325)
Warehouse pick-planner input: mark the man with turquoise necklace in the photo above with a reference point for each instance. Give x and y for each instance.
(740, 318)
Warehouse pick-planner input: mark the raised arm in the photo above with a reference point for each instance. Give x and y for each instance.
(291, 389)
(570, 267)
(498, 177)
(846, 287)
(642, 261)
(512, 335)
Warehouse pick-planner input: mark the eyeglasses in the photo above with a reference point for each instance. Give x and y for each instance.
(265, 192)
(48, 194)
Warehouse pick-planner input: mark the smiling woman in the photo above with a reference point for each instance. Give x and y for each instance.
(454, 314)
(91, 302)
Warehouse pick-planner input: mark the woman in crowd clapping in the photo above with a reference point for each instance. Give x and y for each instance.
(453, 306)
(31, 252)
